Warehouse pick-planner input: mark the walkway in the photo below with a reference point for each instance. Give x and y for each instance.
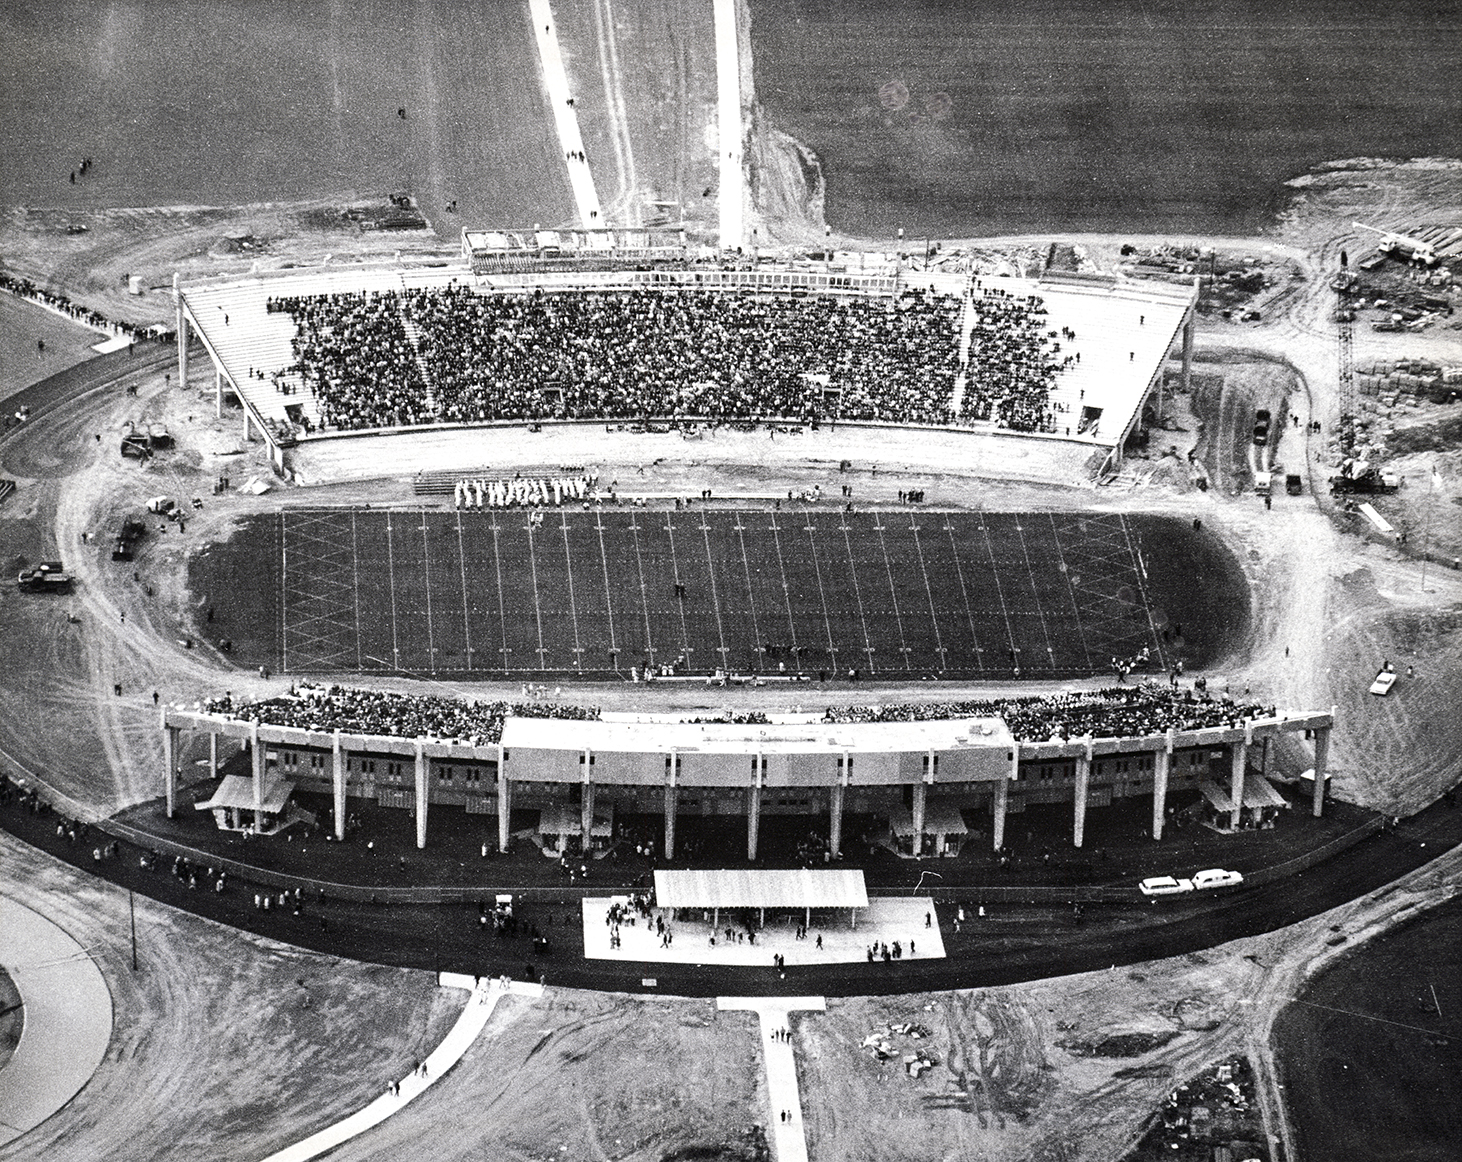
(729, 136)
(68, 1019)
(474, 1017)
(560, 99)
(789, 1144)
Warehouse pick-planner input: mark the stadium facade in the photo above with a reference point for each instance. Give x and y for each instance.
(920, 778)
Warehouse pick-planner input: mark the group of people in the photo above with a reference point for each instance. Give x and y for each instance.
(623, 354)
(522, 491)
(1113, 712)
(1013, 361)
(25, 289)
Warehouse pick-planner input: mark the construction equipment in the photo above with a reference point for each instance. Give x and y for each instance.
(1402, 246)
(1359, 476)
(46, 577)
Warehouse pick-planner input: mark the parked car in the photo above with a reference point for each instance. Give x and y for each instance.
(1164, 886)
(1216, 877)
(162, 505)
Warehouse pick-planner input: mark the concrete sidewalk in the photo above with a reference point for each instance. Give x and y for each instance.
(480, 1006)
(789, 1142)
(68, 1018)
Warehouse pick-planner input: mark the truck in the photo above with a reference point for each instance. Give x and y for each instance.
(1294, 484)
(45, 577)
(1263, 483)
(1359, 476)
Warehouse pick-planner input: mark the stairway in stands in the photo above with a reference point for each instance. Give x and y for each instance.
(413, 332)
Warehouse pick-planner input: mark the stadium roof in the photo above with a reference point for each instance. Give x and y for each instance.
(797, 888)
(749, 739)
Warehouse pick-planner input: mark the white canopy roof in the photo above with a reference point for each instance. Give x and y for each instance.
(795, 888)
(237, 791)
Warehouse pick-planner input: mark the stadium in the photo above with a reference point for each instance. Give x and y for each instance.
(666, 611)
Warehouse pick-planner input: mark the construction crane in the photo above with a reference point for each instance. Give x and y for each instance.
(1402, 245)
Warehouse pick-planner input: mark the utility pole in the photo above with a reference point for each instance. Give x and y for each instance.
(132, 911)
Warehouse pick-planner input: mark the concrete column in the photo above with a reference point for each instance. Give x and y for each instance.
(1162, 761)
(504, 802)
(753, 811)
(212, 755)
(217, 393)
(921, 799)
(586, 806)
(338, 757)
(671, 793)
(422, 766)
(180, 317)
(998, 808)
(256, 761)
(835, 820)
(1083, 782)
(1322, 760)
(170, 765)
(1187, 351)
(1239, 759)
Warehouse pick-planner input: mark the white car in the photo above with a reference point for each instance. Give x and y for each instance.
(1164, 886)
(1216, 877)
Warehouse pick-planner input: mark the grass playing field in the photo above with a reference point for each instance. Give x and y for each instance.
(892, 594)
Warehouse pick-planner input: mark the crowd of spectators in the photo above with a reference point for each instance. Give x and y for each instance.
(625, 354)
(1115, 712)
(381, 712)
(25, 289)
(1013, 361)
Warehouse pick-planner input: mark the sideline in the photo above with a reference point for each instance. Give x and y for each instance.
(728, 114)
(556, 81)
(68, 1018)
(789, 1139)
(480, 1006)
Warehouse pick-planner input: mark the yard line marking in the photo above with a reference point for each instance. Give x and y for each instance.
(964, 590)
(787, 593)
(431, 641)
(821, 594)
(542, 652)
(1142, 593)
(466, 619)
(893, 593)
(1000, 591)
(679, 602)
(391, 573)
(355, 582)
(644, 592)
(1035, 593)
(929, 589)
(573, 605)
(858, 593)
(1070, 592)
(502, 604)
(715, 600)
(757, 643)
(608, 597)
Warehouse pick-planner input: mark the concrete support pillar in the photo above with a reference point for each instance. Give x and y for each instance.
(1239, 759)
(1322, 761)
(256, 764)
(835, 819)
(212, 755)
(753, 811)
(1187, 351)
(338, 760)
(921, 799)
(504, 803)
(422, 766)
(998, 808)
(586, 807)
(180, 319)
(1162, 761)
(1083, 783)
(170, 765)
(217, 393)
(671, 794)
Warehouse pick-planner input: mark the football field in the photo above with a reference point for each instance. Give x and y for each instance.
(890, 594)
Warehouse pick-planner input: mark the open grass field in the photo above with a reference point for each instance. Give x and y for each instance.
(891, 594)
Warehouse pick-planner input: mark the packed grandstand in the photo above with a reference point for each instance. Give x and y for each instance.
(384, 359)
(1114, 712)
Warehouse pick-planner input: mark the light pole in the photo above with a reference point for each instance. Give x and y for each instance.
(132, 912)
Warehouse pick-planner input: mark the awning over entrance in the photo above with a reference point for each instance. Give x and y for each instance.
(237, 791)
(940, 818)
(797, 888)
(1258, 792)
